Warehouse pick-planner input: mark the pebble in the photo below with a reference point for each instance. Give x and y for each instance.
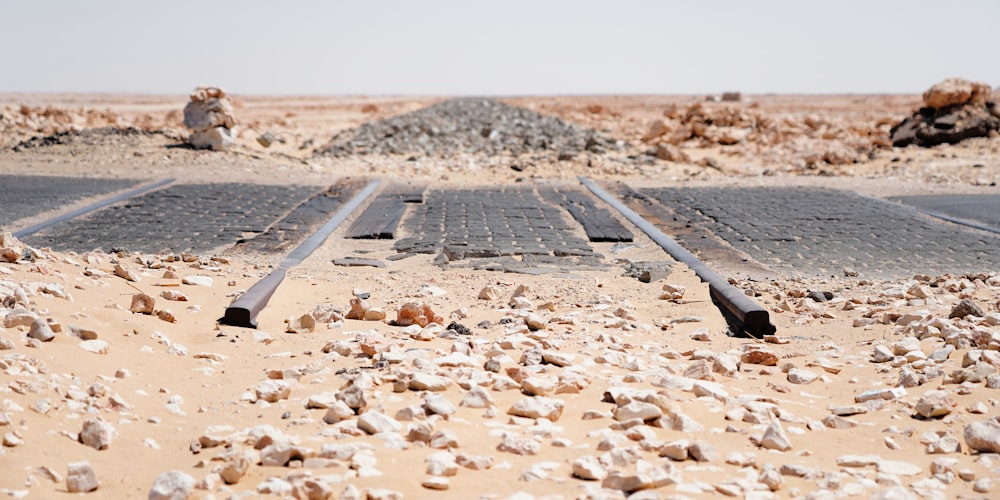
(172, 485)
(40, 330)
(983, 436)
(198, 280)
(538, 407)
(80, 477)
(589, 468)
(95, 346)
(934, 404)
(97, 433)
(801, 376)
(775, 438)
(374, 422)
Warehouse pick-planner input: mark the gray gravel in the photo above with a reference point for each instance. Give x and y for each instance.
(469, 125)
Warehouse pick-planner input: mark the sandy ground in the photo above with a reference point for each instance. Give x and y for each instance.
(164, 386)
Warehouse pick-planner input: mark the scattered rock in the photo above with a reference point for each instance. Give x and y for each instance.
(172, 485)
(97, 433)
(966, 307)
(209, 115)
(983, 437)
(80, 477)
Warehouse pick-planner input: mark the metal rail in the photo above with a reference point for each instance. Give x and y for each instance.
(753, 318)
(28, 231)
(244, 310)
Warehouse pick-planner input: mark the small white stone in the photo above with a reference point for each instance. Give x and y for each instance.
(80, 477)
(198, 280)
(172, 485)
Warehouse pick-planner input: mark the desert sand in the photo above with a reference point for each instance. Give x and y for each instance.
(637, 393)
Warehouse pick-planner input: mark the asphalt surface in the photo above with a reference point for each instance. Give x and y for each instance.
(24, 196)
(983, 209)
(820, 232)
(192, 217)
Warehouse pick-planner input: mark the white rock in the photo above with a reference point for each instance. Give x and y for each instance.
(538, 407)
(983, 437)
(477, 397)
(775, 438)
(95, 346)
(519, 445)
(435, 483)
(198, 280)
(80, 477)
(589, 468)
(898, 468)
(97, 433)
(426, 382)
(934, 404)
(858, 460)
(638, 410)
(273, 391)
(374, 422)
(172, 485)
(801, 376)
(441, 463)
(40, 330)
(438, 404)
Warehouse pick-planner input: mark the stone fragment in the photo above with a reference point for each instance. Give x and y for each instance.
(673, 292)
(40, 330)
(175, 295)
(374, 422)
(538, 407)
(589, 468)
(801, 376)
(898, 467)
(426, 382)
(441, 463)
(172, 485)
(95, 346)
(490, 292)
(703, 451)
(964, 308)
(273, 391)
(637, 410)
(97, 433)
(437, 404)
(125, 273)
(142, 304)
(414, 313)
(436, 483)
(304, 323)
(198, 280)
(519, 445)
(934, 404)
(983, 436)
(775, 438)
(953, 91)
(236, 466)
(80, 477)
(759, 356)
(770, 477)
(477, 397)
(82, 333)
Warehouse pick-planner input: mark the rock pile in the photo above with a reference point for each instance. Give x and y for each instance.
(746, 131)
(468, 125)
(209, 115)
(954, 110)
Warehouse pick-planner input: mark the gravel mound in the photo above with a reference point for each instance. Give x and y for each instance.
(472, 126)
(88, 137)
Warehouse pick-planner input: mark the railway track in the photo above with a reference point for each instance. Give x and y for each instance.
(757, 233)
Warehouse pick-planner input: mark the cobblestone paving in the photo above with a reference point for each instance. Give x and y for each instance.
(193, 217)
(27, 195)
(475, 223)
(981, 208)
(819, 232)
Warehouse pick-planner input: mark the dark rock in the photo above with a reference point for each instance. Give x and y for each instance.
(966, 308)
(929, 127)
(820, 296)
(459, 328)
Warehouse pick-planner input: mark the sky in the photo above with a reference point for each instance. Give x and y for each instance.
(500, 47)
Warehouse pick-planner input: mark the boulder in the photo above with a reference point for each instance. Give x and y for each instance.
(954, 110)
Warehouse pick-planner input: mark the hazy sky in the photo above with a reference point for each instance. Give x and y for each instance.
(498, 47)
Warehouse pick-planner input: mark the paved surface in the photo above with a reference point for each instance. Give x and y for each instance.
(983, 209)
(489, 222)
(285, 235)
(25, 196)
(194, 217)
(819, 232)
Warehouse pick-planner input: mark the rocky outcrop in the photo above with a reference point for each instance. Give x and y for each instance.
(209, 115)
(954, 110)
